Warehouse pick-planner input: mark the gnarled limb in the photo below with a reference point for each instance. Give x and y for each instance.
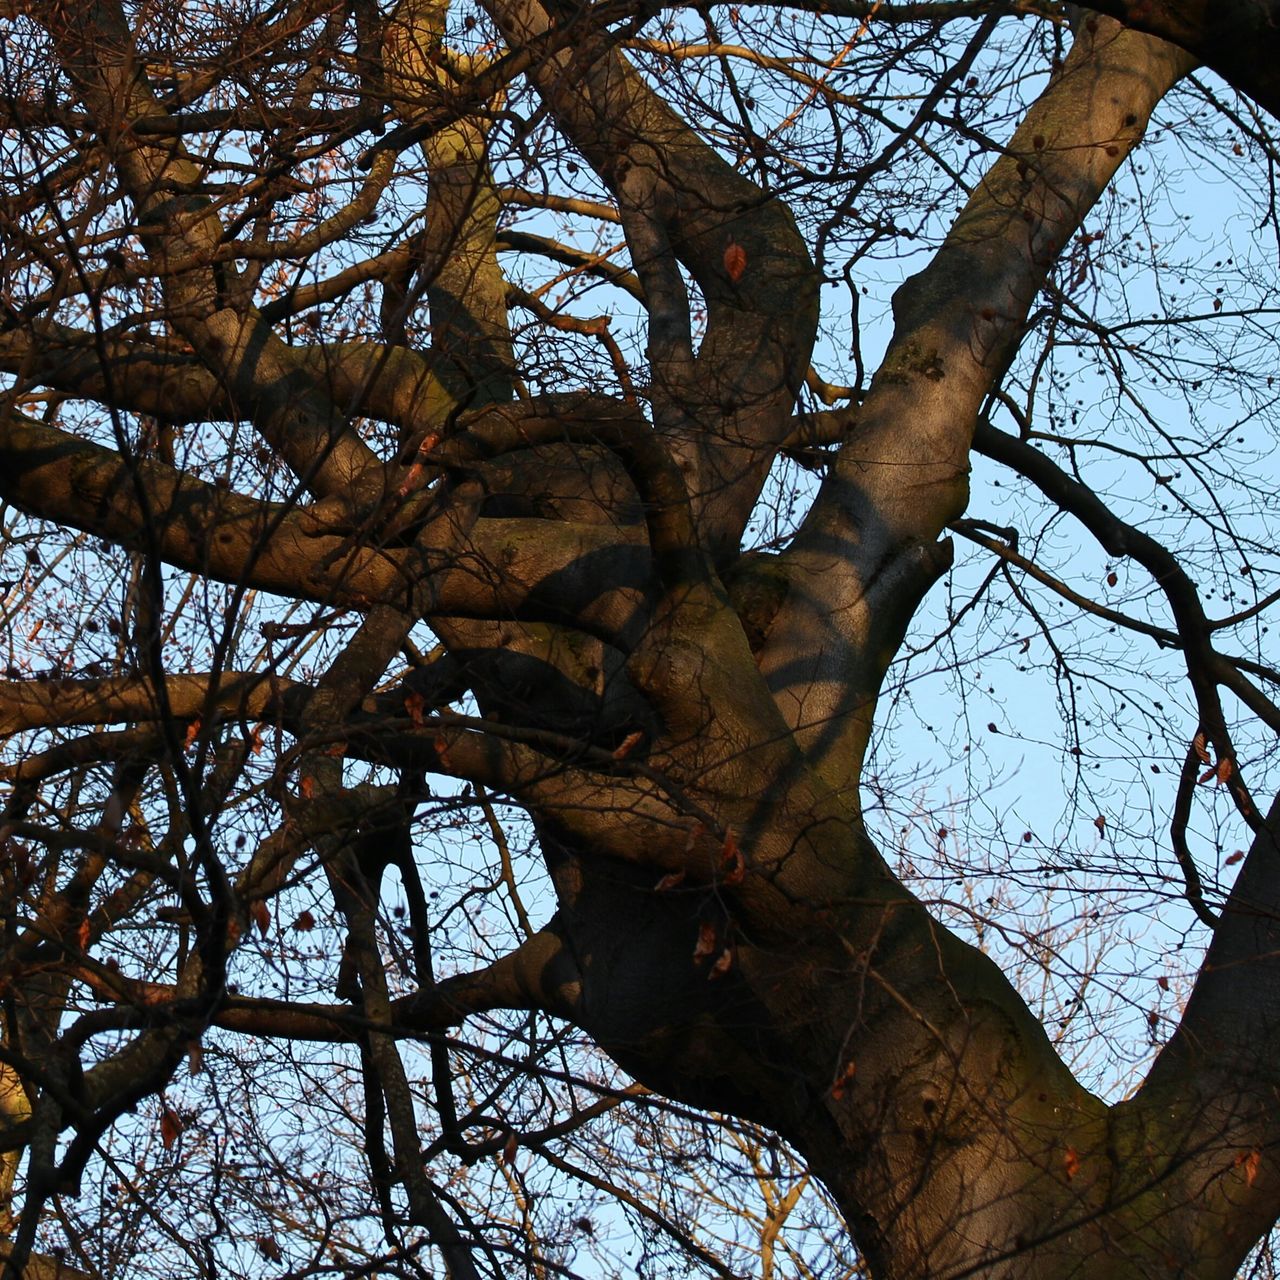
(725, 412)
(311, 553)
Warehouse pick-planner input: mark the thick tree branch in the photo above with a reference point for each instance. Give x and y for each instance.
(727, 411)
(1210, 1097)
(464, 285)
(866, 551)
(393, 384)
(1239, 39)
(548, 568)
(536, 975)
(34, 704)
(195, 525)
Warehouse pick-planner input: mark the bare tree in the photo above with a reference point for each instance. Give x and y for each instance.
(465, 597)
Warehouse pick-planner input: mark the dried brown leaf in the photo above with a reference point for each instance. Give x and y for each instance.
(261, 915)
(708, 941)
(735, 261)
(844, 1079)
(170, 1127)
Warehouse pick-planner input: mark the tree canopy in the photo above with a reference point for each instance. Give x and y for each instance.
(637, 638)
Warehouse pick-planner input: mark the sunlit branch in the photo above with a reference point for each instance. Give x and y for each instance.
(559, 203)
(590, 264)
(31, 704)
(867, 546)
